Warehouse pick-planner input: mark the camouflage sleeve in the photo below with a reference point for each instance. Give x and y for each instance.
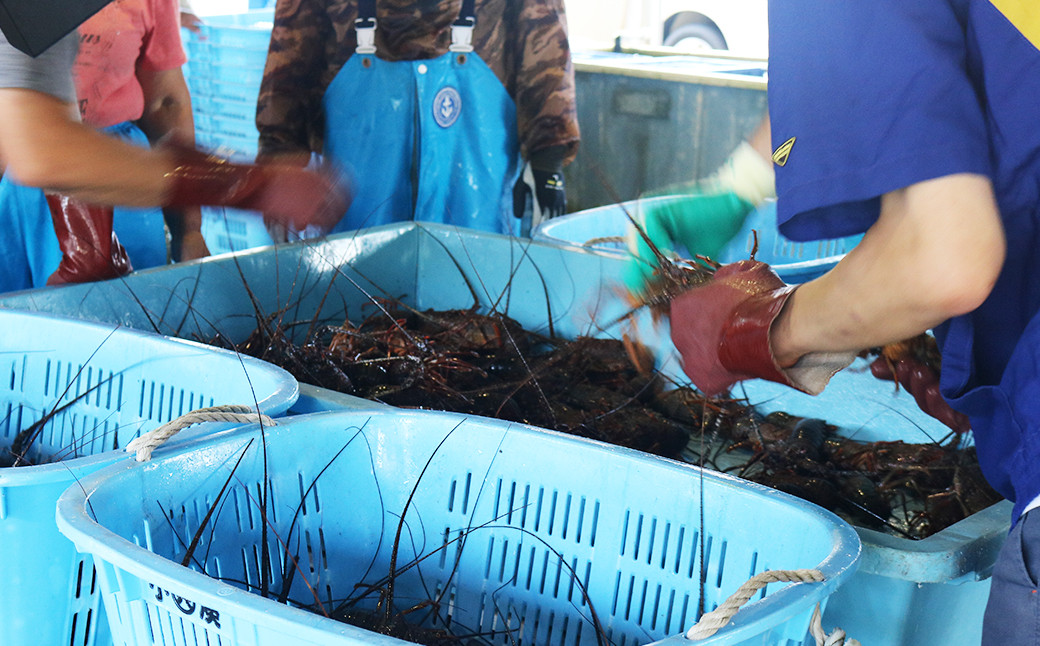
(547, 113)
(289, 111)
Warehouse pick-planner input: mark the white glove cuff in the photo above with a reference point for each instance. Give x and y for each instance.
(812, 372)
(749, 175)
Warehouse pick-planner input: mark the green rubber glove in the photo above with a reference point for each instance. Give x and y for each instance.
(702, 216)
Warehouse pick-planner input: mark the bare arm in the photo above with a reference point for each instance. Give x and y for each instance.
(167, 106)
(167, 110)
(934, 253)
(44, 145)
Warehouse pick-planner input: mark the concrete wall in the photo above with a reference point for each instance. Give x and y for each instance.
(645, 128)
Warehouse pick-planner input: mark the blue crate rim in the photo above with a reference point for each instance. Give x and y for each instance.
(73, 521)
(783, 269)
(933, 561)
(284, 397)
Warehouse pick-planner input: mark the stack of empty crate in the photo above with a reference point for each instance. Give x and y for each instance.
(225, 65)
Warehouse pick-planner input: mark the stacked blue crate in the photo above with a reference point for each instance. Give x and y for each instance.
(225, 66)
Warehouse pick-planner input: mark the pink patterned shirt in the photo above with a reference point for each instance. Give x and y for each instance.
(122, 38)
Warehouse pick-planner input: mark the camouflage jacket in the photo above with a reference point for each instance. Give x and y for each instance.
(523, 41)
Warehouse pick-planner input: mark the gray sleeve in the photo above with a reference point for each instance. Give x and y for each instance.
(50, 72)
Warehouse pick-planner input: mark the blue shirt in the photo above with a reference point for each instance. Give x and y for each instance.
(870, 97)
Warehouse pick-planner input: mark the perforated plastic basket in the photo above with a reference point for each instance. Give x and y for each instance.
(227, 229)
(508, 525)
(225, 66)
(905, 593)
(104, 385)
(604, 229)
(249, 29)
(233, 88)
(929, 592)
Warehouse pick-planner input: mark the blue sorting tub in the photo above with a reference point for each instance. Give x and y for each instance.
(522, 534)
(913, 593)
(604, 228)
(909, 593)
(88, 389)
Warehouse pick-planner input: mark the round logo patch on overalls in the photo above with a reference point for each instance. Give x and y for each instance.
(447, 106)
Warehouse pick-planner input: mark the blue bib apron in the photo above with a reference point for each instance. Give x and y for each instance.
(29, 251)
(431, 140)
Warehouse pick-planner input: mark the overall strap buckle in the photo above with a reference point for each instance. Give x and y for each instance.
(462, 28)
(462, 36)
(366, 35)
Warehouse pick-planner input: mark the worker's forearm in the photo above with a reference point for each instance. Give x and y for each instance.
(167, 107)
(103, 170)
(935, 253)
(44, 146)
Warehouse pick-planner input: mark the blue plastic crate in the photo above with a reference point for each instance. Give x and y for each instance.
(230, 47)
(234, 147)
(232, 136)
(224, 70)
(941, 578)
(211, 91)
(117, 383)
(604, 229)
(254, 20)
(233, 124)
(501, 515)
(244, 110)
(249, 30)
(250, 74)
(226, 229)
(226, 56)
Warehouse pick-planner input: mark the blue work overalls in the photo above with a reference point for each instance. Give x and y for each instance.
(432, 140)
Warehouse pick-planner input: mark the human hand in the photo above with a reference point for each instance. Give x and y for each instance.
(921, 381)
(189, 246)
(722, 331)
(550, 193)
(287, 194)
(702, 223)
(191, 22)
(701, 216)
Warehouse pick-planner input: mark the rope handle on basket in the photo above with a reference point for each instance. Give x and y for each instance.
(711, 622)
(153, 439)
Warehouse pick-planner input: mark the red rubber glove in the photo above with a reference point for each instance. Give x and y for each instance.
(90, 249)
(922, 382)
(722, 332)
(287, 194)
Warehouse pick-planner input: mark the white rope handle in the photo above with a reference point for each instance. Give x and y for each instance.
(837, 638)
(153, 439)
(711, 622)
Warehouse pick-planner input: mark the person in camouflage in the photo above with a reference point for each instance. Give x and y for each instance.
(316, 96)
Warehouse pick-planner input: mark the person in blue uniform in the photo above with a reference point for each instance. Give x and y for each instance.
(916, 124)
